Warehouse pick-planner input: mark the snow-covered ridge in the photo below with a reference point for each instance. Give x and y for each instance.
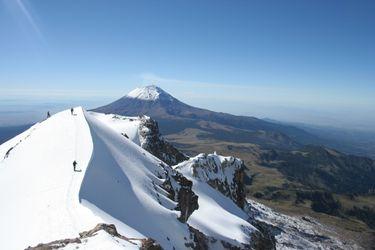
(144, 132)
(115, 182)
(148, 93)
(193, 205)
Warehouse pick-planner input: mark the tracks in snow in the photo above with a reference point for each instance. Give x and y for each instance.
(73, 187)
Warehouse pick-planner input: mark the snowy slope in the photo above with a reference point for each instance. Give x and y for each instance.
(284, 232)
(103, 240)
(228, 219)
(144, 132)
(121, 124)
(228, 223)
(120, 183)
(38, 185)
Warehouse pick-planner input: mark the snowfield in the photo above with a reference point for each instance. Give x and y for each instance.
(118, 182)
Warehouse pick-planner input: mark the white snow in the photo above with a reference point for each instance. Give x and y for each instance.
(43, 199)
(211, 167)
(38, 186)
(120, 181)
(226, 220)
(121, 124)
(103, 240)
(149, 93)
(219, 217)
(46, 200)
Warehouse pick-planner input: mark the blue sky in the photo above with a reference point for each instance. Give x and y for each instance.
(309, 61)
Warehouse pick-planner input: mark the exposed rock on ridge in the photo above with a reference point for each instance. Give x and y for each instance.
(276, 231)
(225, 174)
(187, 200)
(143, 244)
(152, 141)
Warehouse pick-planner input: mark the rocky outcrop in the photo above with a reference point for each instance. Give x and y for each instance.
(204, 242)
(187, 199)
(57, 244)
(84, 237)
(178, 187)
(281, 231)
(264, 238)
(275, 230)
(200, 240)
(225, 174)
(180, 190)
(152, 141)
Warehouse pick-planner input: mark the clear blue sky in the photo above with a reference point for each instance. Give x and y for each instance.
(291, 60)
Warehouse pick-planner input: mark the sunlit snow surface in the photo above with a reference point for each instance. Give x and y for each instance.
(101, 241)
(150, 93)
(124, 125)
(39, 190)
(44, 200)
(228, 219)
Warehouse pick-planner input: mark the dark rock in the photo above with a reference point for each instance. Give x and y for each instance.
(264, 239)
(150, 244)
(146, 244)
(180, 190)
(54, 244)
(200, 240)
(187, 199)
(156, 145)
(109, 228)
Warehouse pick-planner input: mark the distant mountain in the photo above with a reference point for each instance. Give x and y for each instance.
(349, 141)
(175, 116)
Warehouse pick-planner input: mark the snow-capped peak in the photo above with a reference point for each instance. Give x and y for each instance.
(149, 93)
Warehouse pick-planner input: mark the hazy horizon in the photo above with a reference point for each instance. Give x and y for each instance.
(27, 110)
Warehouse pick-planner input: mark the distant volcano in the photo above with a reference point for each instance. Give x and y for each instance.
(176, 116)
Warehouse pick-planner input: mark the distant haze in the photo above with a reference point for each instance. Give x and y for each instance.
(24, 111)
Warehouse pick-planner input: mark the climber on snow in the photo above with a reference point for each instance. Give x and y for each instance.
(74, 167)
(72, 110)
